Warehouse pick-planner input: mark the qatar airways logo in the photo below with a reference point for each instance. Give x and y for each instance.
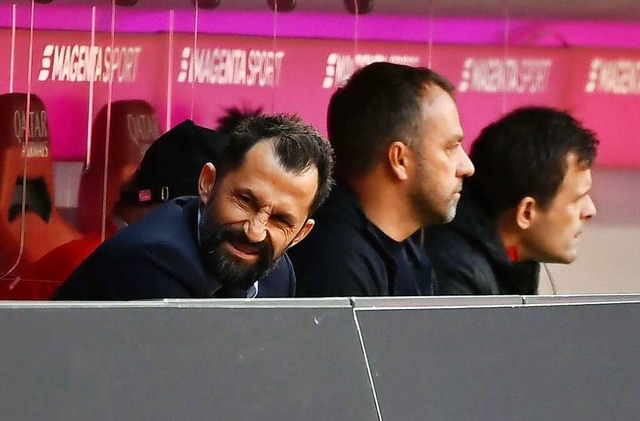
(618, 77)
(224, 66)
(84, 63)
(498, 75)
(38, 145)
(143, 129)
(340, 67)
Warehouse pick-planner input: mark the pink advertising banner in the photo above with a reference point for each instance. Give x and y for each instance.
(73, 78)
(197, 77)
(289, 75)
(489, 82)
(604, 92)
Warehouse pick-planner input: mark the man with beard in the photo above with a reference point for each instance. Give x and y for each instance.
(170, 168)
(396, 134)
(527, 203)
(254, 205)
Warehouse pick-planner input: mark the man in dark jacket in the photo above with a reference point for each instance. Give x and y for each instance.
(399, 164)
(273, 174)
(169, 169)
(526, 203)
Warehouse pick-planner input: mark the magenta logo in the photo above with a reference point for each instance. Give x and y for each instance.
(230, 66)
(184, 65)
(618, 77)
(510, 75)
(85, 63)
(340, 67)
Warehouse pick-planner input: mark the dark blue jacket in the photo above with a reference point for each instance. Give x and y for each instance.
(158, 257)
(469, 257)
(346, 255)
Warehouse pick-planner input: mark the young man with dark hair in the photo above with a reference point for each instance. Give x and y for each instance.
(526, 203)
(396, 134)
(274, 172)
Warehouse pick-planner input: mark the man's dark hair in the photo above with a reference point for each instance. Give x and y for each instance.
(525, 154)
(234, 116)
(297, 147)
(381, 103)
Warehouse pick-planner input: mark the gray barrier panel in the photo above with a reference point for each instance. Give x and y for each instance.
(571, 362)
(182, 361)
(580, 299)
(433, 302)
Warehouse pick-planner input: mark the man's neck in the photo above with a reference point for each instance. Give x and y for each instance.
(510, 239)
(385, 206)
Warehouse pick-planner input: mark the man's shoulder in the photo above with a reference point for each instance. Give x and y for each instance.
(340, 222)
(169, 224)
(339, 259)
(125, 267)
(445, 239)
(341, 235)
(168, 216)
(161, 235)
(335, 238)
(460, 264)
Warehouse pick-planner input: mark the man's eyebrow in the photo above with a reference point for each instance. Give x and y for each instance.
(286, 216)
(584, 192)
(244, 191)
(455, 139)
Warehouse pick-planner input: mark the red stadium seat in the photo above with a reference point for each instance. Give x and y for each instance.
(44, 228)
(134, 126)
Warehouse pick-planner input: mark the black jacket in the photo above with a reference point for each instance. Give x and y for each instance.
(346, 255)
(469, 258)
(159, 257)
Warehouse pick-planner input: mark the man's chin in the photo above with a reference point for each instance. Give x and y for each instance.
(448, 215)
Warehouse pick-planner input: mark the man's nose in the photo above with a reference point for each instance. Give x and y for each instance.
(589, 210)
(255, 228)
(465, 166)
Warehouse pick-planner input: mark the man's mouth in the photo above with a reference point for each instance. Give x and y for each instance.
(244, 250)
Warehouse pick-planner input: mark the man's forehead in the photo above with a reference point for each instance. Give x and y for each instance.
(261, 171)
(440, 110)
(432, 92)
(577, 178)
(574, 164)
(261, 149)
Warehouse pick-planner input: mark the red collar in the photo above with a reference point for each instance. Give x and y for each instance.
(512, 252)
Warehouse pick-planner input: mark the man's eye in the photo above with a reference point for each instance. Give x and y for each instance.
(281, 220)
(245, 199)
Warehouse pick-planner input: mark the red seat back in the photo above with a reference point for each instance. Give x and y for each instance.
(44, 228)
(134, 126)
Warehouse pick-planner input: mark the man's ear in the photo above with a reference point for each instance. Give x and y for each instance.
(304, 231)
(206, 181)
(398, 157)
(526, 212)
